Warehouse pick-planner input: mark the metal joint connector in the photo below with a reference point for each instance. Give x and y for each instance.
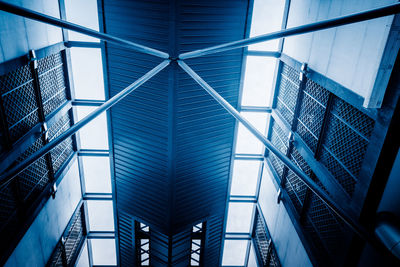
(53, 190)
(291, 138)
(44, 130)
(303, 71)
(33, 59)
(279, 197)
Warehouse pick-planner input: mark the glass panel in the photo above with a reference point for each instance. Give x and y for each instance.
(83, 13)
(258, 79)
(101, 215)
(252, 257)
(97, 174)
(245, 176)
(87, 72)
(267, 17)
(246, 142)
(103, 251)
(83, 260)
(239, 217)
(234, 252)
(95, 134)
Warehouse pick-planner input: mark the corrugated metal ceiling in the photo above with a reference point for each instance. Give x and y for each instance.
(172, 143)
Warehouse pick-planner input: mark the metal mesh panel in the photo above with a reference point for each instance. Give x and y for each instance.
(287, 94)
(280, 141)
(52, 82)
(296, 190)
(73, 236)
(311, 115)
(263, 244)
(34, 178)
(57, 257)
(294, 186)
(343, 146)
(15, 78)
(61, 152)
(353, 117)
(50, 62)
(310, 120)
(21, 110)
(331, 230)
(346, 143)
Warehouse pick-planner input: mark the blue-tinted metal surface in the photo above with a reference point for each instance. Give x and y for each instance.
(172, 141)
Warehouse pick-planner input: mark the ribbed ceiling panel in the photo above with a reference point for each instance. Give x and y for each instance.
(140, 121)
(172, 142)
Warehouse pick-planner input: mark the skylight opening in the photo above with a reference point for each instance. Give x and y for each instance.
(86, 66)
(239, 217)
(103, 251)
(258, 85)
(87, 72)
(267, 17)
(245, 177)
(258, 79)
(96, 170)
(197, 243)
(94, 135)
(83, 13)
(234, 252)
(142, 243)
(246, 142)
(100, 215)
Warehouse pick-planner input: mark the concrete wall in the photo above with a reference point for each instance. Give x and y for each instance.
(19, 35)
(350, 55)
(289, 248)
(39, 241)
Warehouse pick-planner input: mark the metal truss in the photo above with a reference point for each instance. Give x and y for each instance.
(6, 177)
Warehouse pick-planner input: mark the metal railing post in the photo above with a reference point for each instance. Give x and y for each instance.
(312, 27)
(291, 165)
(8, 175)
(27, 13)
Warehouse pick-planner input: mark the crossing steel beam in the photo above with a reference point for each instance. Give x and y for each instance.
(11, 173)
(28, 13)
(290, 164)
(312, 27)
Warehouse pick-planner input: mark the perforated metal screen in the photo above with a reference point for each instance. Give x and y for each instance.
(337, 136)
(52, 82)
(68, 247)
(263, 244)
(25, 94)
(19, 104)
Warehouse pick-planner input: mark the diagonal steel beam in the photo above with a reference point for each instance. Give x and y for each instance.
(307, 180)
(316, 26)
(10, 174)
(24, 12)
